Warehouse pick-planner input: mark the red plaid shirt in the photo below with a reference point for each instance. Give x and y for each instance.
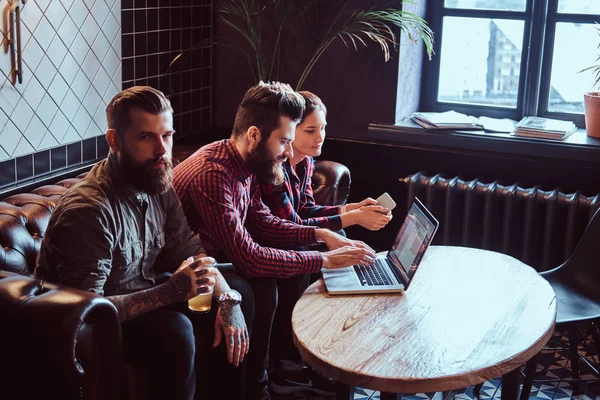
(221, 200)
(293, 199)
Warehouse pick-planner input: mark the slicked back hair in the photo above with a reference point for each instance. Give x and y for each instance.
(264, 104)
(145, 98)
(313, 103)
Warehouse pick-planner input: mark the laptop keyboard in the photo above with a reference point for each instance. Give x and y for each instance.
(375, 274)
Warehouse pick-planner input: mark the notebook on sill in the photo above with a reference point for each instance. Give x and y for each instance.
(394, 271)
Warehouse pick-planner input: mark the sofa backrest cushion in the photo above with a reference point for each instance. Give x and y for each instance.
(23, 221)
(331, 183)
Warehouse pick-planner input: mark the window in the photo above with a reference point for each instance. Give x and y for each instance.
(511, 58)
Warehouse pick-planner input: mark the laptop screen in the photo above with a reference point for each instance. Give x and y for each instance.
(413, 239)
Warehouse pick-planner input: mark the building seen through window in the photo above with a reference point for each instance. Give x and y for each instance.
(510, 58)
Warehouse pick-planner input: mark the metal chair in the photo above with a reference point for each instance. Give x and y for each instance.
(577, 286)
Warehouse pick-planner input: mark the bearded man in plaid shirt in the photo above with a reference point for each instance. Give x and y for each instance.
(219, 190)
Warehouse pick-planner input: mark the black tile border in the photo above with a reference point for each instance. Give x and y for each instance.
(41, 163)
(74, 154)
(101, 147)
(89, 149)
(126, 21)
(58, 158)
(22, 170)
(8, 174)
(168, 4)
(49, 179)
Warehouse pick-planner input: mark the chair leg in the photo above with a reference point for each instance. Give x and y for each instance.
(573, 355)
(596, 337)
(477, 389)
(343, 391)
(530, 369)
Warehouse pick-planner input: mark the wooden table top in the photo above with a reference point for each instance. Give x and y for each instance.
(470, 315)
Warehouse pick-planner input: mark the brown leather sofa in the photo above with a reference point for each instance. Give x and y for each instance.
(57, 342)
(64, 343)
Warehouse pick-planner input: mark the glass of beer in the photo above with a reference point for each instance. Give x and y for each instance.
(201, 304)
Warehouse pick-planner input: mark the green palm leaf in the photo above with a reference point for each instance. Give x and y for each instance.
(376, 26)
(252, 18)
(595, 69)
(243, 16)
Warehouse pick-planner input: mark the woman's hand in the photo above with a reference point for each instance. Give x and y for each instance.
(366, 202)
(372, 218)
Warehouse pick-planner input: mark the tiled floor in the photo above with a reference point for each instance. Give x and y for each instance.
(551, 381)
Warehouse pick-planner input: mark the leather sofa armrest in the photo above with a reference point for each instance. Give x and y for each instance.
(331, 183)
(59, 342)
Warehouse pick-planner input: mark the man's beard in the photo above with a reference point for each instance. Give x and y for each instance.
(145, 177)
(266, 168)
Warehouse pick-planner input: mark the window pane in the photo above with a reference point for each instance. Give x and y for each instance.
(480, 61)
(575, 48)
(579, 6)
(504, 5)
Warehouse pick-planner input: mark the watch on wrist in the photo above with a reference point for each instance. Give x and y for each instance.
(231, 296)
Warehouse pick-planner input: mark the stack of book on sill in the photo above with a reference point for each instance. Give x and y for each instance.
(544, 128)
(450, 120)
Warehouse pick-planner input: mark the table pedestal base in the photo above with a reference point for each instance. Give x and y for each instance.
(510, 390)
(510, 385)
(390, 396)
(345, 392)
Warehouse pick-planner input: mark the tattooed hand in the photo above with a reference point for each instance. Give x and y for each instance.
(193, 277)
(231, 324)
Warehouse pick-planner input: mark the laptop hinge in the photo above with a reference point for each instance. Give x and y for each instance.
(395, 271)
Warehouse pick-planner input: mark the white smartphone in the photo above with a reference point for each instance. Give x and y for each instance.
(385, 200)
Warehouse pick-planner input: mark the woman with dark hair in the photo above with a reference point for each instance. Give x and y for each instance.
(293, 200)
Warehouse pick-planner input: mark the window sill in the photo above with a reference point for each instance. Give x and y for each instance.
(578, 148)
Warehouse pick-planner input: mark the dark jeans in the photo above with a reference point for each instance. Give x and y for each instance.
(271, 295)
(290, 290)
(174, 346)
(162, 343)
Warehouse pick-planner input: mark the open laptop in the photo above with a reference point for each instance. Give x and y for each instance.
(394, 271)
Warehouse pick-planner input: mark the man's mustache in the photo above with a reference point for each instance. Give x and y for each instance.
(161, 159)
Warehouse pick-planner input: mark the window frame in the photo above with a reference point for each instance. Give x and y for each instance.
(540, 18)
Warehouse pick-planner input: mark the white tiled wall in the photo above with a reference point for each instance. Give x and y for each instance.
(71, 70)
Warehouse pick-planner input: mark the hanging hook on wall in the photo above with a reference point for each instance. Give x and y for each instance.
(15, 45)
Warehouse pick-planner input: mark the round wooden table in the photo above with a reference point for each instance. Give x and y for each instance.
(470, 315)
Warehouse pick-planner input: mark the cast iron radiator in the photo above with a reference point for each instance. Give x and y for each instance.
(540, 228)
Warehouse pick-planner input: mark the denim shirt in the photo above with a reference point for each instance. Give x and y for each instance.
(106, 237)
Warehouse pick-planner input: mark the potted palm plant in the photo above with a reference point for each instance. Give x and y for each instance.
(591, 99)
(261, 27)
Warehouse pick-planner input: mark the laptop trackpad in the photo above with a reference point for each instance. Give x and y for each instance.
(340, 278)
